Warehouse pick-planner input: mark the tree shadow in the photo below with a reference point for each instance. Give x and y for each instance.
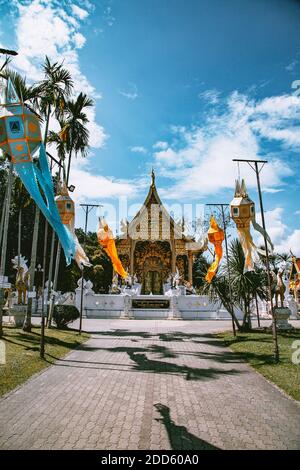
(179, 437)
(22, 338)
(122, 333)
(236, 357)
(162, 351)
(190, 373)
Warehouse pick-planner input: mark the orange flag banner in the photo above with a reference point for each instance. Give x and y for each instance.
(216, 236)
(106, 240)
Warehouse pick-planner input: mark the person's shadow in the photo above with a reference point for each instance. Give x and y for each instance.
(179, 437)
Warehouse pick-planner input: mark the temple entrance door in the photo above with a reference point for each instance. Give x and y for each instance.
(152, 283)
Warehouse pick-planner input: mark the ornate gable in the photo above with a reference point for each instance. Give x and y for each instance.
(153, 222)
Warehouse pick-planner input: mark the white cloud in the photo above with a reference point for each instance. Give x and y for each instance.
(291, 243)
(79, 12)
(160, 145)
(131, 93)
(199, 159)
(138, 149)
(51, 28)
(282, 237)
(211, 96)
(96, 187)
(291, 66)
(79, 40)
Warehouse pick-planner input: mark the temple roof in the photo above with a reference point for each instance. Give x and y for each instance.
(295, 266)
(153, 198)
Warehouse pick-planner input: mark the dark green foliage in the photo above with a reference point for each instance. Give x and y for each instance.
(64, 314)
(244, 285)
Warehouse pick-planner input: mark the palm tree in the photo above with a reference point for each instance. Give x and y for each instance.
(218, 289)
(244, 286)
(28, 94)
(22, 199)
(73, 137)
(4, 239)
(75, 130)
(58, 138)
(53, 91)
(50, 96)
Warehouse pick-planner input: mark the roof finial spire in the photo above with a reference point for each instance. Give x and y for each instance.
(152, 177)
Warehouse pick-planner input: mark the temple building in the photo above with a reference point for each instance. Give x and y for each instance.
(153, 245)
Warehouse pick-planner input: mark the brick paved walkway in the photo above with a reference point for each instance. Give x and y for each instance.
(149, 385)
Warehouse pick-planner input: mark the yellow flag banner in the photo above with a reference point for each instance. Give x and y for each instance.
(216, 236)
(248, 247)
(106, 240)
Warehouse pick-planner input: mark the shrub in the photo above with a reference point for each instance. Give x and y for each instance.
(64, 314)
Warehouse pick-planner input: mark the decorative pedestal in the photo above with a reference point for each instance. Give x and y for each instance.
(18, 314)
(292, 305)
(282, 315)
(126, 314)
(174, 313)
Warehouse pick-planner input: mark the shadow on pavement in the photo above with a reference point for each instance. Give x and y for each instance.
(179, 437)
(190, 373)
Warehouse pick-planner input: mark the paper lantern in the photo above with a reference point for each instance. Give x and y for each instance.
(242, 211)
(242, 208)
(20, 134)
(65, 206)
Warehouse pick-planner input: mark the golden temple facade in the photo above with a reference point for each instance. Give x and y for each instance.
(154, 246)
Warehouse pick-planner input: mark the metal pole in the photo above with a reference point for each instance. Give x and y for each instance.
(57, 261)
(27, 323)
(42, 344)
(50, 274)
(257, 310)
(86, 209)
(257, 171)
(4, 240)
(3, 215)
(274, 329)
(228, 269)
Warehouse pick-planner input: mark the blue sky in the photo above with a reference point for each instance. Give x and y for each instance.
(184, 86)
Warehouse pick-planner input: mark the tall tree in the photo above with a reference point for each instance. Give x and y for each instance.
(244, 285)
(75, 128)
(50, 97)
(75, 135)
(22, 200)
(27, 94)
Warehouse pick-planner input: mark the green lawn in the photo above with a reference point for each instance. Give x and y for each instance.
(256, 348)
(22, 353)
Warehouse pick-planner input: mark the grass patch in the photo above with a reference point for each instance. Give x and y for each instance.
(22, 353)
(256, 348)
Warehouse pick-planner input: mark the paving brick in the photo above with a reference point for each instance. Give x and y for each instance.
(170, 388)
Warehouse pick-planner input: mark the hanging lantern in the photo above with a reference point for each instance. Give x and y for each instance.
(242, 211)
(242, 208)
(20, 134)
(66, 209)
(216, 236)
(20, 137)
(65, 205)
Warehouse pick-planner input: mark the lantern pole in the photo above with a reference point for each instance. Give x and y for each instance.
(257, 172)
(50, 292)
(87, 209)
(5, 209)
(222, 208)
